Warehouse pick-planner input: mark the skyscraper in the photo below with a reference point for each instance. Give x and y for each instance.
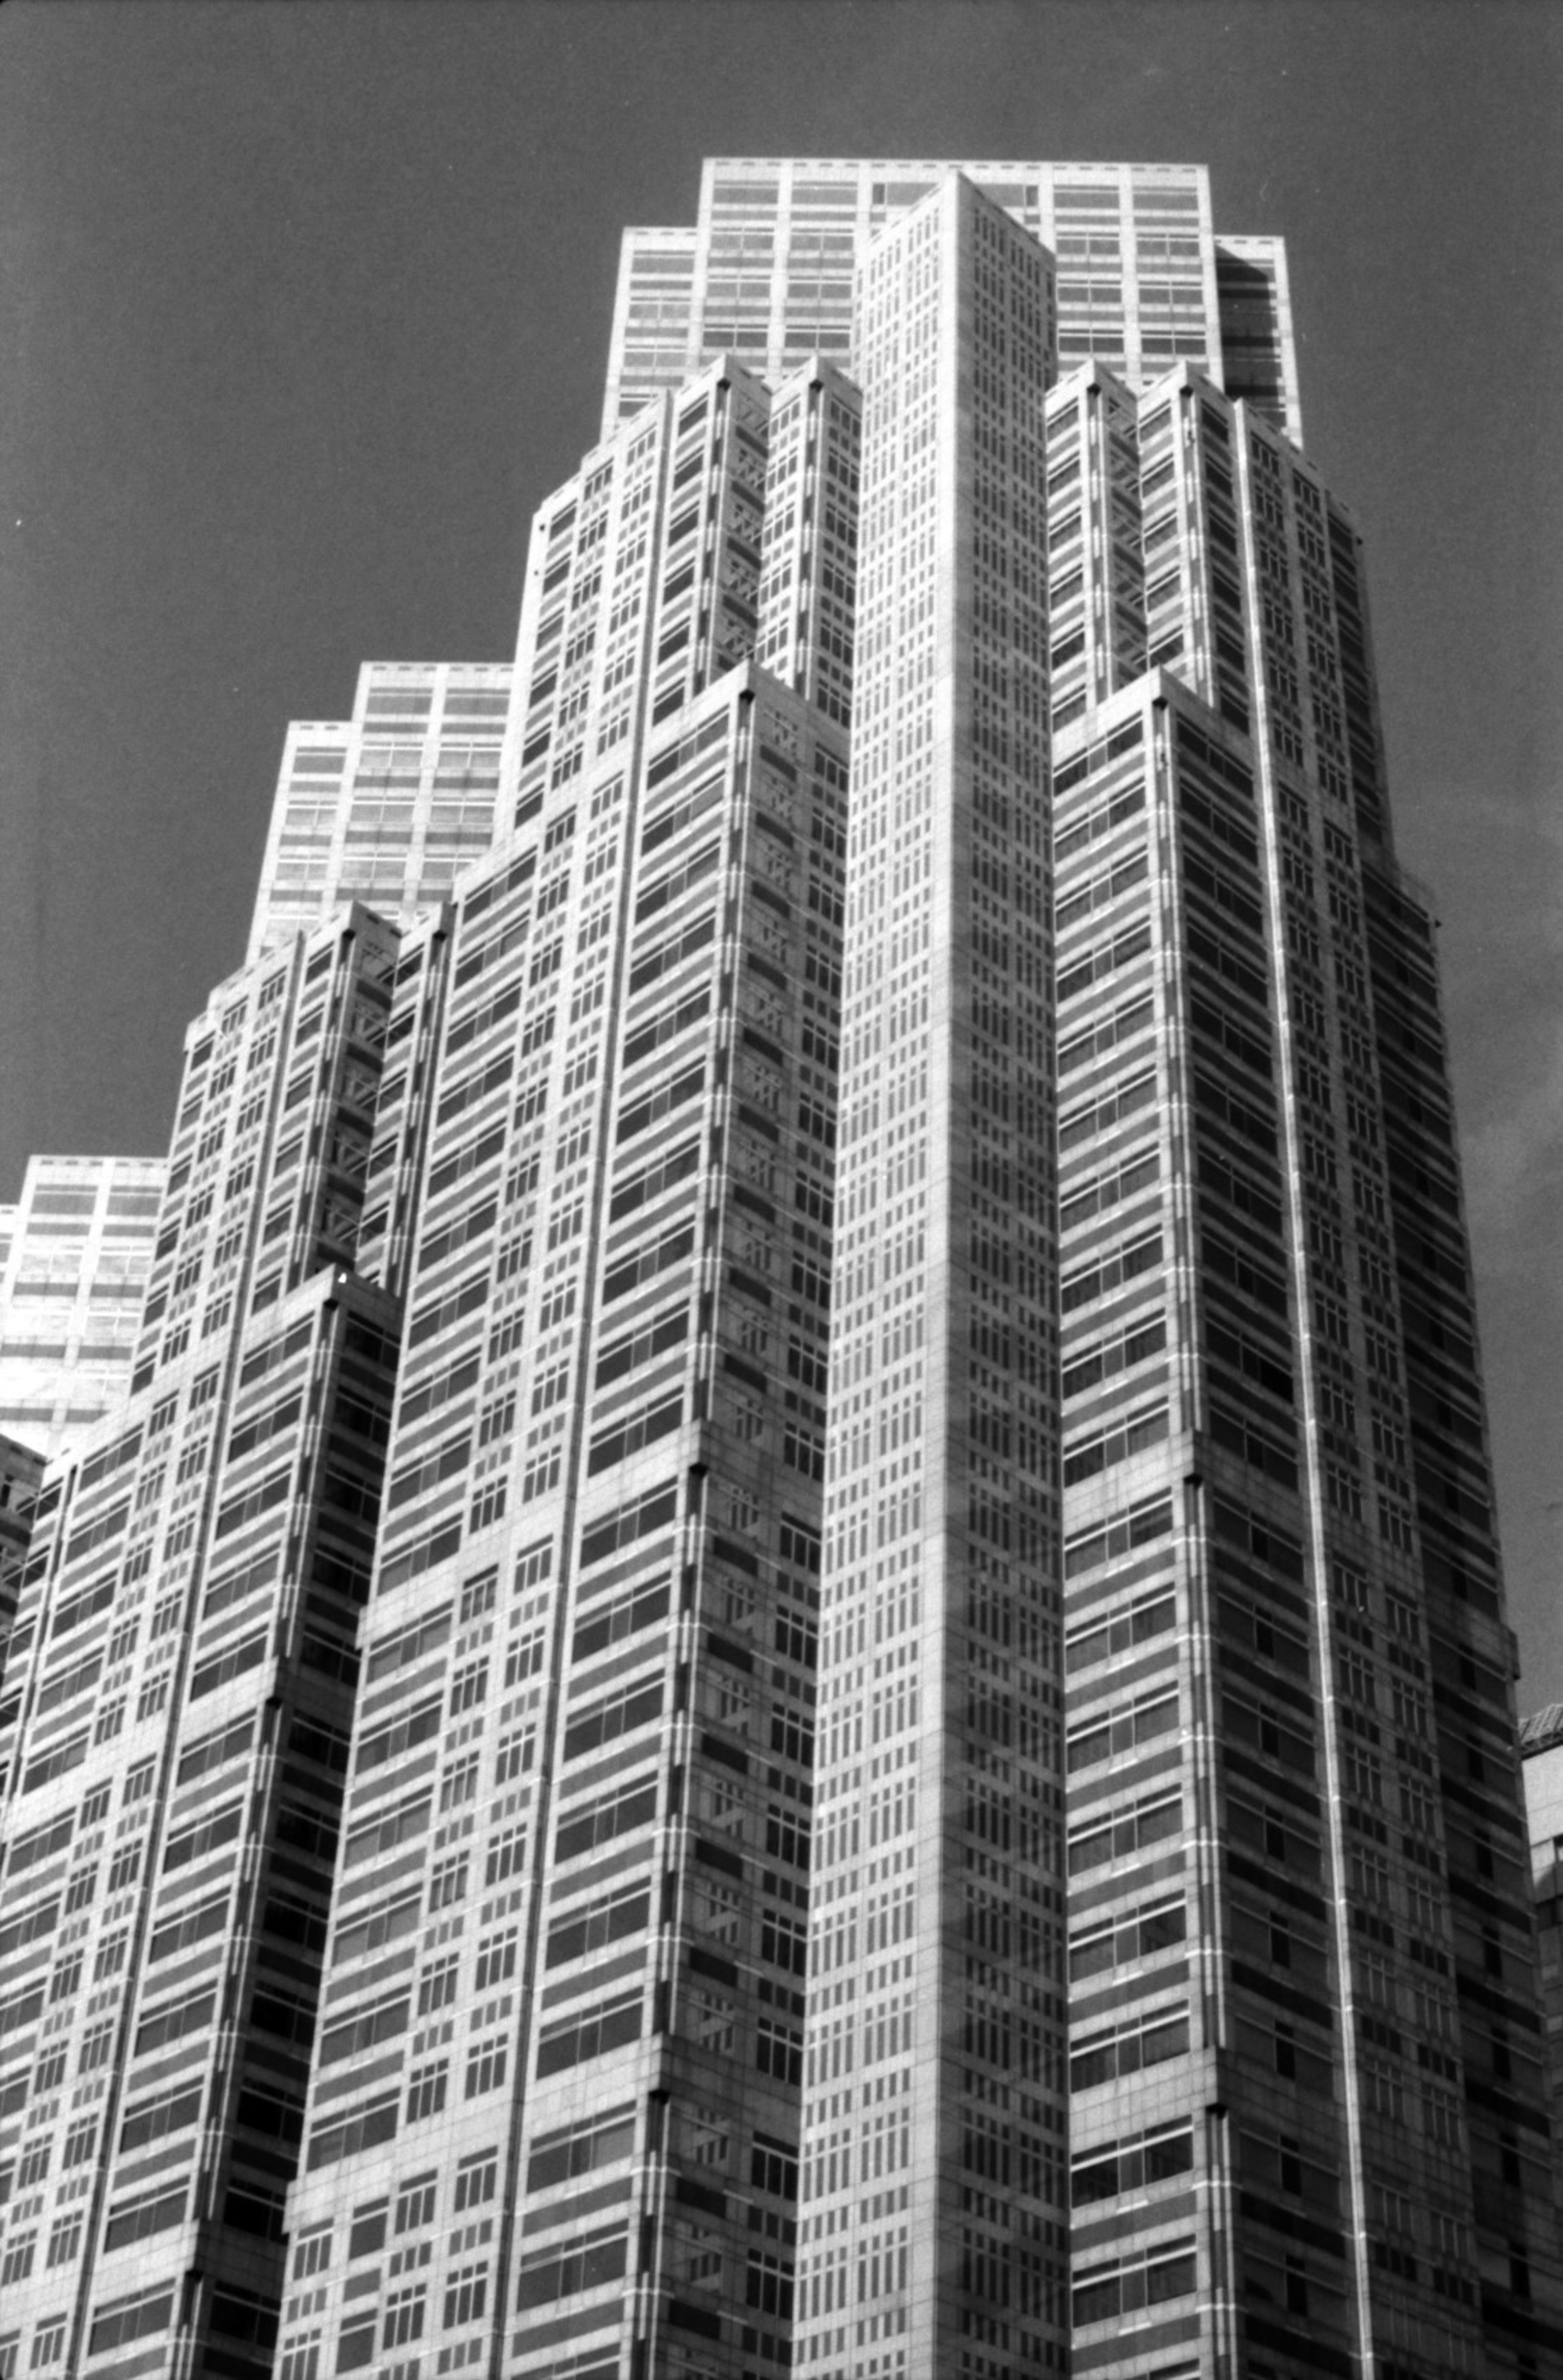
(565, 1979)
(802, 1548)
(184, 1651)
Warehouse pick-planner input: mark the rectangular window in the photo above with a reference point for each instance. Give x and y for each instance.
(486, 2067)
(572, 2040)
(477, 2179)
(426, 2090)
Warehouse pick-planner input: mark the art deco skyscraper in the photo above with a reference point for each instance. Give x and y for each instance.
(554, 2113)
(1277, 1552)
(932, 1793)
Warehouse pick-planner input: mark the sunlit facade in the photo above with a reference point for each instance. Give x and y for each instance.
(72, 1278)
(388, 807)
(765, 272)
(790, 1655)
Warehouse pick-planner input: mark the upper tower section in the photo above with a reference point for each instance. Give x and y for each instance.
(1144, 280)
(72, 1276)
(386, 806)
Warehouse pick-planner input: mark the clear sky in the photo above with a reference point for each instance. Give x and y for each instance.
(305, 307)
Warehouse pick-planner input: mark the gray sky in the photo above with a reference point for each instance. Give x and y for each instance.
(306, 307)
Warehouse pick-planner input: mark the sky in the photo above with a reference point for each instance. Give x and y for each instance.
(305, 309)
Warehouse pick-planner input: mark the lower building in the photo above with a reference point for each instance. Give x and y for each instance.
(178, 1703)
(171, 1832)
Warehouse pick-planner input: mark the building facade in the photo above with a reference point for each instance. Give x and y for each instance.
(74, 1273)
(21, 1472)
(389, 805)
(555, 2113)
(766, 272)
(178, 1698)
(790, 1654)
(1540, 1753)
(935, 2117)
(1303, 2043)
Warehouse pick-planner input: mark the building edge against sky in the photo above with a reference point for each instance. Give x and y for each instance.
(389, 805)
(642, 1551)
(1540, 1746)
(765, 272)
(74, 1256)
(268, 1190)
(583, 1120)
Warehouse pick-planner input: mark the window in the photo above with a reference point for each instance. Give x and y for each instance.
(496, 1959)
(95, 2047)
(1106, 2291)
(110, 1957)
(368, 2233)
(437, 1987)
(769, 2286)
(344, 2138)
(778, 2051)
(590, 2260)
(1139, 2162)
(415, 2203)
(312, 2253)
(426, 2091)
(505, 1855)
(404, 2316)
(355, 2344)
(466, 2295)
(609, 1919)
(138, 2218)
(17, 2263)
(124, 2319)
(488, 1505)
(478, 1596)
(477, 2177)
(515, 1755)
(152, 1696)
(48, 2344)
(151, 2120)
(448, 1882)
(468, 1687)
(486, 2067)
